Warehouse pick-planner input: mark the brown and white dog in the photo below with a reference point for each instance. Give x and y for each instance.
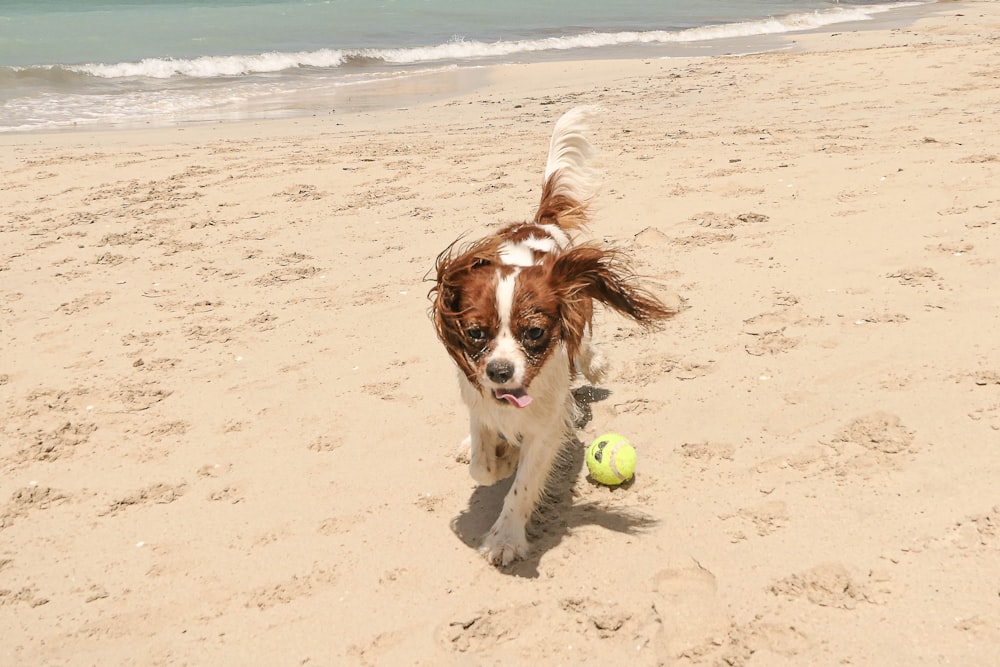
(514, 311)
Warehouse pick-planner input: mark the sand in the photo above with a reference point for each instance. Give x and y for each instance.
(229, 431)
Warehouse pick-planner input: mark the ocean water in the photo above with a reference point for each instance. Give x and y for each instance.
(72, 63)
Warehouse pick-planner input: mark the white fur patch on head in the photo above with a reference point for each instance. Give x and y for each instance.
(506, 347)
(545, 245)
(505, 297)
(529, 251)
(517, 254)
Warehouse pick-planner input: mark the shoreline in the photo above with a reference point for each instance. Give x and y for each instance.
(229, 428)
(432, 82)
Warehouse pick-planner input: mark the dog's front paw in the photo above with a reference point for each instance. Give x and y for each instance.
(482, 468)
(504, 544)
(464, 452)
(492, 461)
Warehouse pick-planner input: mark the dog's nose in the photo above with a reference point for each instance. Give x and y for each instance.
(500, 371)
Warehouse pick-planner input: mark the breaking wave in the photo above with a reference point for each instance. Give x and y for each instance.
(455, 50)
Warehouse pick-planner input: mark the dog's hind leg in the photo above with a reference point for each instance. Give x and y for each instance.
(590, 360)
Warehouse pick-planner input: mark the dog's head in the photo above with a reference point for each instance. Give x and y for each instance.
(505, 305)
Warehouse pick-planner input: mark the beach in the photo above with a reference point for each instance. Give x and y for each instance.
(230, 431)
(74, 64)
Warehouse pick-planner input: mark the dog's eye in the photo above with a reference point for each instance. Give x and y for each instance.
(534, 333)
(476, 334)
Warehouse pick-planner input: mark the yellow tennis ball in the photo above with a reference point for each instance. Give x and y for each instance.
(611, 459)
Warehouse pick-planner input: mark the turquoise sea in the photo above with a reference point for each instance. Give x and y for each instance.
(66, 63)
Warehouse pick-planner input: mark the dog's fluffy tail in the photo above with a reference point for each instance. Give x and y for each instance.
(571, 181)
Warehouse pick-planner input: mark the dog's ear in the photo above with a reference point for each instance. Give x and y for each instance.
(454, 267)
(589, 273)
(446, 311)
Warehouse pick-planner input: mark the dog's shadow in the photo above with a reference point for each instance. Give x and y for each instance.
(556, 515)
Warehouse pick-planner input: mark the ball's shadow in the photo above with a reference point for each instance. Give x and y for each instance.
(556, 515)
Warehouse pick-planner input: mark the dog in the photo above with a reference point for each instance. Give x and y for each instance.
(514, 311)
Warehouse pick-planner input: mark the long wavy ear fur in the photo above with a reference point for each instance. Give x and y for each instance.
(590, 273)
(453, 266)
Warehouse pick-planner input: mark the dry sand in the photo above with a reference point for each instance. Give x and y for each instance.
(228, 429)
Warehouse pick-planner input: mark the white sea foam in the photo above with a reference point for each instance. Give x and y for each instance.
(460, 49)
(215, 66)
(277, 83)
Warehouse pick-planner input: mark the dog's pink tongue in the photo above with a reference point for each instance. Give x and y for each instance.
(521, 401)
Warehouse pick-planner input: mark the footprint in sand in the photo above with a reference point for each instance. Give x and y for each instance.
(768, 332)
(291, 589)
(49, 445)
(956, 249)
(638, 406)
(713, 220)
(916, 276)
(701, 239)
(84, 302)
(706, 452)
(155, 494)
(799, 460)
(766, 517)
(287, 275)
(325, 443)
(689, 610)
(136, 398)
(765, 323)
(641, 371)
(157, 432)
(772, 343)
(831, 585)
(27, 500)
(605, 625)
(653, 237)
(979, 531)
(27, 595)
(301, 193)
(879, 432)
(875, 443)
(482, 630)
